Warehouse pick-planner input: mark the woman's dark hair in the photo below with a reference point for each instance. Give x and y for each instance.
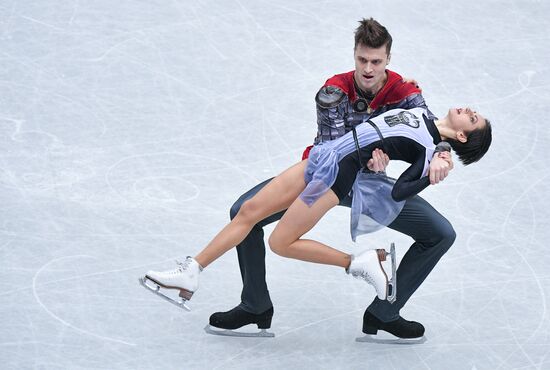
(475, 147)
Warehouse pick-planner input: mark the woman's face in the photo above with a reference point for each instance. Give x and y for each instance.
(465, 120)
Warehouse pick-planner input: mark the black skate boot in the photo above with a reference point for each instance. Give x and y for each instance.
(237, 318)
(400, 328)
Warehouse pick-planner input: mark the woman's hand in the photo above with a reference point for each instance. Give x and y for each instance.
(411, 81)
(440, 166)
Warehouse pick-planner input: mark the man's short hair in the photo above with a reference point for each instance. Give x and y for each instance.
(372, 34)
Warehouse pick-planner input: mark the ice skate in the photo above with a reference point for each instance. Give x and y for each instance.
(368, 266)
(225, 323)
(401, 328)
(402, 331)
(184, 278)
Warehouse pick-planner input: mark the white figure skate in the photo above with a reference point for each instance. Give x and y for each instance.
(368, 266)
(184, 278)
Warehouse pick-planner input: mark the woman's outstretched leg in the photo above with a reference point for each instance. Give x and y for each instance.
(273, 198)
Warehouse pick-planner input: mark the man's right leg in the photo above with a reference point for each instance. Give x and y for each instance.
(433, 236)
(256, 305)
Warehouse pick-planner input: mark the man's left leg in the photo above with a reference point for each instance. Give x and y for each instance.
(433, 235)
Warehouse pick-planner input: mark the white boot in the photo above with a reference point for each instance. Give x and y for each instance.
(368, 266)
(185, 278)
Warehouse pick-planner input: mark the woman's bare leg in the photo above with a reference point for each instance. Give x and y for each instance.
(298, 220)
(276, 196)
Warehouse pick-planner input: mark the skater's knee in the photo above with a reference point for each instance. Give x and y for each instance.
(235, 209)
(250, 212)
(277, 245)
(445, 235)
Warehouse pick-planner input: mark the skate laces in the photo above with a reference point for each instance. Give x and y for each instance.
(363, 275)
(182, 266)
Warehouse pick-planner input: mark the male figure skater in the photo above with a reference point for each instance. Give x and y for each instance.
(369, 90)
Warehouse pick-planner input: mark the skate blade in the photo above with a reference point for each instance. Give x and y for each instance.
(392, 284)
(263, 333)
(390, 339)
(381, 255)
(156, 290)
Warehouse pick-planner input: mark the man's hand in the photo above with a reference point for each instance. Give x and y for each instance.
(440, 166)
(411, 81)
(379, 161)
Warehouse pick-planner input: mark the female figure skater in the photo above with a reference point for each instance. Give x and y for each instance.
(310, 188)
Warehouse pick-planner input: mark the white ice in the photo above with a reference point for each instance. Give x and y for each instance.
(128, 128)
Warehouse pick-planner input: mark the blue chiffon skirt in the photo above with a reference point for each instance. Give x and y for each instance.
(372, 206)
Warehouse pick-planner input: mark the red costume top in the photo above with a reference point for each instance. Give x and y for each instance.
(394, 94)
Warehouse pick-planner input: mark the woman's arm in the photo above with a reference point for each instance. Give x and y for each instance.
(411, 182)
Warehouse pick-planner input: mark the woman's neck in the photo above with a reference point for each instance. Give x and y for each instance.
(445, 131)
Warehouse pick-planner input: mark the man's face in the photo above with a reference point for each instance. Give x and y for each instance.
(370, 67)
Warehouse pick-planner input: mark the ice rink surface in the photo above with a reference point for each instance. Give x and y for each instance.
(128, 129)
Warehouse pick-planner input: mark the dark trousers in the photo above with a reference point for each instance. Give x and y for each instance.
(433, 235)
